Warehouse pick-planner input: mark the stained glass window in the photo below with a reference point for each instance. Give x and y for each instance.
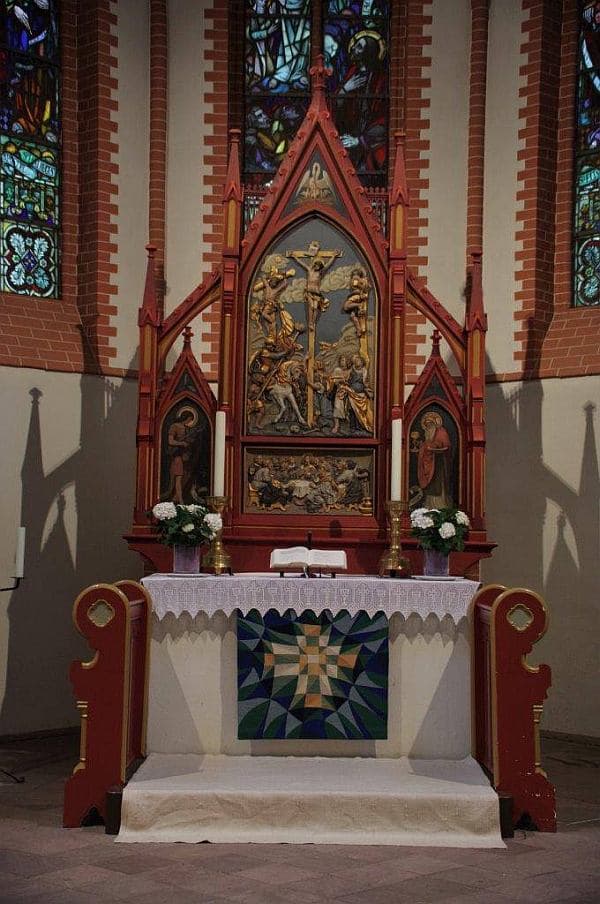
(356, 44)
(277, 49)
(276, 80)
(587, 162)
(29, 147)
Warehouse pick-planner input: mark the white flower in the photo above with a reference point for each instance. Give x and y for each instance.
(447, 530)
(193, 509)
(417, 512)
(214, 522)
(423, 522)
(162, 511)
(461, 518)
(187, 528)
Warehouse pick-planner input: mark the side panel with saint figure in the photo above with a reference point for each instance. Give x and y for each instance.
(185, 461)
(434, 462)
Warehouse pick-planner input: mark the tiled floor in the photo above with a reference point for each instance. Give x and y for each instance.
(41, 862)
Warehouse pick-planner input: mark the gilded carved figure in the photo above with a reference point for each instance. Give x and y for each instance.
(311, 339)
(310, 483)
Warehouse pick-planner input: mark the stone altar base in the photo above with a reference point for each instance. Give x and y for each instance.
(302, 800)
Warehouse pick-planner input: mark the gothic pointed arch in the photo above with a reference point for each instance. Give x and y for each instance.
(436, 431)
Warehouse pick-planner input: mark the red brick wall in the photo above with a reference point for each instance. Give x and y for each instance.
(572, 344)
(417, 80)
(477, 94)
(552, 338)
(157, 189)
(215, 160)
(74, 333)
(98, 191)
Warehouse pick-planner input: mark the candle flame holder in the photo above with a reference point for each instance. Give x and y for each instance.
(392, 562)
(217, 559)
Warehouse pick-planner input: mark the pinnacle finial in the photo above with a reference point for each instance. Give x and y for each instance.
(319, 72)
(187, 336)
(435, 342)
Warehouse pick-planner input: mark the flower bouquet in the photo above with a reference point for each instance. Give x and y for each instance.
(439, 532)
(185, 528)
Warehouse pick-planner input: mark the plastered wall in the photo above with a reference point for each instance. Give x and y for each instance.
(185, 149)
(543, 511)
(68, 472)
(500, 188)
(448, 135)
(187, 128)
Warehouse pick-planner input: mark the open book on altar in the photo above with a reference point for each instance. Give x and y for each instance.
(301, 558)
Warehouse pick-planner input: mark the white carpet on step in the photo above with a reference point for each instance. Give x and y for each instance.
(320, 800)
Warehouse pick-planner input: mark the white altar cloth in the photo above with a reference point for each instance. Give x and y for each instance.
(316, 800)
(210, 594)
(193, 662)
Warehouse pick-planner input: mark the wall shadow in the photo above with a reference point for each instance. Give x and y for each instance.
(88, 497)
(531, 509)
(446, 725)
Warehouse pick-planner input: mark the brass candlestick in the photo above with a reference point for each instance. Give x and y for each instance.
(392, 561)
(217, 559)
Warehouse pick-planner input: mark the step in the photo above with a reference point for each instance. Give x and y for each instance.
(320, 800)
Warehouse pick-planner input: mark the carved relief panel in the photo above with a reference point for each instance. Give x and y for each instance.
(309, 482)
(311, 338)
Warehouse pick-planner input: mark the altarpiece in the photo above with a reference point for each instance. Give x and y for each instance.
(313, 293)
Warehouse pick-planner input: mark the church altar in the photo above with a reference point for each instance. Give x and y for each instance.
(202, 781)
(144, 671)
(320, 427)
(193, 656)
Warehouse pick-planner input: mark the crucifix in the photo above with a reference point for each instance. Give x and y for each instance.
(316, 263)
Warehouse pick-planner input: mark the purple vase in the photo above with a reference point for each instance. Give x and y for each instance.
(435, 563)
(186, 559)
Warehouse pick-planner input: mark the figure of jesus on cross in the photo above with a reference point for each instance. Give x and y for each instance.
(316, 263)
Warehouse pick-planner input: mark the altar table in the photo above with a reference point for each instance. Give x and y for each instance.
(193, 661)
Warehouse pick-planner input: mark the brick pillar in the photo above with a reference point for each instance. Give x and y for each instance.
(158, 140)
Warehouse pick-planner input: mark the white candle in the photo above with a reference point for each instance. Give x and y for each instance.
(20, 553)
(219, 463)
(396, 461)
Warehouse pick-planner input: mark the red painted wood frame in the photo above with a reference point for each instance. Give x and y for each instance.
(508, 700)
(111, 692)
(363, 535)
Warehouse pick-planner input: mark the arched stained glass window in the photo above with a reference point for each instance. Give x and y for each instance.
(587, 162)
(355, 44)
(29, 140)
(277, 58)
(276, 81)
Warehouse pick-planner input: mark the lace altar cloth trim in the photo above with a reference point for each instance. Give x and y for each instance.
(193, 594)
